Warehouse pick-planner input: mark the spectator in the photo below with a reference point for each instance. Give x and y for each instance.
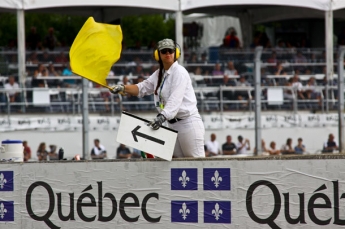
(263, 148)
(46, 58)
(98, 151)
(273, 58)
(139, 71)
(311, 92)
(299, 148)
(242, 147)
(52, 153)
(330, 145)
(61, 58)
(39, 72)
(212, 147)
(67, 71)
(33, 59)
(42, 152)
(231, 40)
(217, 70)
(243, 94)
(287, 148)
(279, 69)
(12, 89)
(137, 153)
(50, 41)
(228, 148)
(27, 151)
(192, 60)
(33, 40)
(123, 152)
(280, 45)
(300, 58)
(272, 150)
(230, 70)
(298, 87)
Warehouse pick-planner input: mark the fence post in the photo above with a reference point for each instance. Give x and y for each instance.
(341, 52)
(85, 114)
(257, 60)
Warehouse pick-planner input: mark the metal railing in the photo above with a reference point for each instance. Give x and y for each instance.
(220, 99)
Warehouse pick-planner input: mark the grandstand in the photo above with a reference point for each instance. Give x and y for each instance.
(216, 91)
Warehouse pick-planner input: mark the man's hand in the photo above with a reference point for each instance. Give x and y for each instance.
(118, 89)
(157, 122)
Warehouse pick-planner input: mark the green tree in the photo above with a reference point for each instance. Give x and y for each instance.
(142, 29)
(145, 29)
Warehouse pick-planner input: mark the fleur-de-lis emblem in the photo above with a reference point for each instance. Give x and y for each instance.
(184, 211)
(3, 181)
(217, 211)
(3, 210)
(184, 179)
(216, 178)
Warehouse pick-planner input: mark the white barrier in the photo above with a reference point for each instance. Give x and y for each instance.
(157, 194)
(74, 123)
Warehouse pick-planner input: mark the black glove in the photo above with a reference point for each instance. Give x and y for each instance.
(157, 122)
(118, 89)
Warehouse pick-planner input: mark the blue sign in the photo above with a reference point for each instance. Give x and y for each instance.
(6, 211)
(184, 179)
(217, 212)
(217, 179)
(6, 181)
(184, 211)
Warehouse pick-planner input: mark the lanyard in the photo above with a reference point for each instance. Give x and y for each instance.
(161, 87)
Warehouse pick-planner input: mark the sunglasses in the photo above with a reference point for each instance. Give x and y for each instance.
(164, 51)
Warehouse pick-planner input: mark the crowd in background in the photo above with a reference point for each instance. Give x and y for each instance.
(241, 147)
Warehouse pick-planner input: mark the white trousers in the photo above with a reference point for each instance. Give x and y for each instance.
(190, 138)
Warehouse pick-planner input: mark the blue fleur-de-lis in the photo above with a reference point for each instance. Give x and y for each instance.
(184, 211)
(217, 211)
(3, 181)
(3, 210)
(183, 178)
(216, 178)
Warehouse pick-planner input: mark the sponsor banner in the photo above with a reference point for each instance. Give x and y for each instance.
(10, 195)
(157, 194)
(74, 123)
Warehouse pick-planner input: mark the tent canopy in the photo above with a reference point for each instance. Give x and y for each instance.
(109, 9)
(323, 5)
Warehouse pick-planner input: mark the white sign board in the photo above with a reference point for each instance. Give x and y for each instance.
(134, 132)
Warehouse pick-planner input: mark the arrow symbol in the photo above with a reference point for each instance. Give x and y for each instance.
(135, 133)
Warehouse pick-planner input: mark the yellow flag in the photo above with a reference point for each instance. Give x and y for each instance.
(95, 49)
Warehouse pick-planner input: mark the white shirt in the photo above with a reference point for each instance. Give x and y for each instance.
(298, 86)
(212, 146)
(177, 93)
(11, 89)
(97, 151)
(243, 150)
(229, 72)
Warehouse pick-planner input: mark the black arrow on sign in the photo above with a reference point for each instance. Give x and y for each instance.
(135, 133)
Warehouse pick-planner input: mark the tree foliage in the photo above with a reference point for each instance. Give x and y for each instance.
(136, 29)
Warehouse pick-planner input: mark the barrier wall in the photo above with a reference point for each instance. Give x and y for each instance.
(238, 193)
(66, 131)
